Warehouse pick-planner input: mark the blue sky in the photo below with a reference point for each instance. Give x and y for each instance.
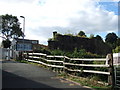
(112, 7)
(64, 16)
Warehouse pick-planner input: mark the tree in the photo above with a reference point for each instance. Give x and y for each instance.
(91, 36)
(116, 50)
(6, 43)
(118, 42)
(99, 38)
(111, 38)
(82, 34)
(10, 28)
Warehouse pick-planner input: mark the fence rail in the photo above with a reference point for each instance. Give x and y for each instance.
(72, 64)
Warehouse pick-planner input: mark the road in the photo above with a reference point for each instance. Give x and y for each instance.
(22, 75)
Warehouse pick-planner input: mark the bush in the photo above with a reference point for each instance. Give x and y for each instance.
(82, 53)
(116, 50)
(57, 52)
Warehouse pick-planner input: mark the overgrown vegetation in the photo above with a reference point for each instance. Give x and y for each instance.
(73, 54)
(112, 41)
(91, 81)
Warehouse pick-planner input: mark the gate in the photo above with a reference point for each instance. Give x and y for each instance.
(7, 54)
(116, 62)
(117, 76)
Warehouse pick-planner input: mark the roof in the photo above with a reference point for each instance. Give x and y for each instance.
(27, 40)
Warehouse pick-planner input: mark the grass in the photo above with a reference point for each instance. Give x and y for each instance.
(90, 81)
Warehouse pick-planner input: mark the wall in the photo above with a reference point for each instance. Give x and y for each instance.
(69, 43)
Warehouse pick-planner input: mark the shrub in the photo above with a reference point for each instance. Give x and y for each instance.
(116, 50)
(57, 52)
(82, 53)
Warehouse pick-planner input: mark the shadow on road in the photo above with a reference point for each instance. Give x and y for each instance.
(13, 82)
(10, 80)
(39, 78)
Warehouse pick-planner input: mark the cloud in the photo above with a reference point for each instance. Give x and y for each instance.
(45, 16)
(108, 0)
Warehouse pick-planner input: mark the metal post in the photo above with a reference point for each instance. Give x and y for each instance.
(23, 35)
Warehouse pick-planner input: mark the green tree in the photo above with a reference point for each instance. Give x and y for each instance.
(6, 43)
(116, 50)
(99, 38)
(111, 39)
(118, 42)
(82, 34)
(10, 28)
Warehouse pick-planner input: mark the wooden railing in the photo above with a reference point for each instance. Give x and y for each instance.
(65, 63)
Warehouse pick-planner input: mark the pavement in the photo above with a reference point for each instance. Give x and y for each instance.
(21, 75)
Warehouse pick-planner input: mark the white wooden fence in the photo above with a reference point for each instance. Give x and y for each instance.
(72, 64)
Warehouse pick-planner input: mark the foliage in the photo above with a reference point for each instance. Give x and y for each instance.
(10, 27)
(118, 42)
(57, 52)
(6, 43)
(82, 34)
(116, 50)
(90, 81)
(99, 38)
(111, 38)
(82, 53)
(69, 34)
(91, 36)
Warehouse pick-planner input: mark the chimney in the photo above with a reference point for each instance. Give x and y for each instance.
(54, 34)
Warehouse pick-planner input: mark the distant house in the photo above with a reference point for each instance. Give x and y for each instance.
(23, 44)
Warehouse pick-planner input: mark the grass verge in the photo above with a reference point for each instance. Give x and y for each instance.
(88, 81)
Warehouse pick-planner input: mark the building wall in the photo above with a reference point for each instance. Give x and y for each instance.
(23, 44)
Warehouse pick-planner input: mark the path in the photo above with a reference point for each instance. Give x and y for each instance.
(22, 75)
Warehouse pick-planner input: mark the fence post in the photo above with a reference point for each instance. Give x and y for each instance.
(64, 64)
(111, 77)
(8, 54)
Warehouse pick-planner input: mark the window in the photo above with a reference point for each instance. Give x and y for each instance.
(34, 42)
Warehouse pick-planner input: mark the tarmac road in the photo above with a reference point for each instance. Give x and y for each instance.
(22, 75)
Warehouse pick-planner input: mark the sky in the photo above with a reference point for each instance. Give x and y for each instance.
(42, 17)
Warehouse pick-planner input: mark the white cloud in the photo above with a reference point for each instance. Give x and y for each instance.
(45, 16)
(109, 0)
